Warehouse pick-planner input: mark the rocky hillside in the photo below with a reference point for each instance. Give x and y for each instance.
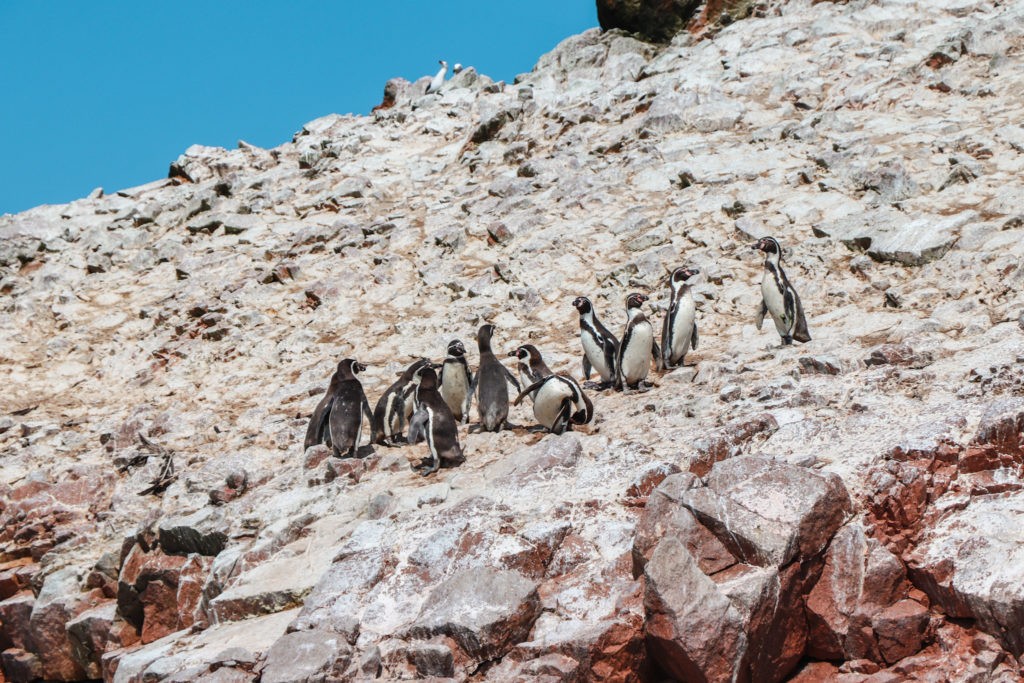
(850, 509)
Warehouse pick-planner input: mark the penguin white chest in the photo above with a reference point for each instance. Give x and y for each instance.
(455, 385)
(549, 401)
(636, 357)
(595, 354)
(682, 325)
(774, 299)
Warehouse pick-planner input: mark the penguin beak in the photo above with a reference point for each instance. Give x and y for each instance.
(513, 354)
(359, 367)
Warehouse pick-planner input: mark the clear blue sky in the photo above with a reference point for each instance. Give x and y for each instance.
(108, 93)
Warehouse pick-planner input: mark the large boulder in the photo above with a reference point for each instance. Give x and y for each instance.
(738, 553)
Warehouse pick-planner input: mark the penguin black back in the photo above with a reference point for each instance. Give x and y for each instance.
(347, 410)
(600, 347)
(492, 394)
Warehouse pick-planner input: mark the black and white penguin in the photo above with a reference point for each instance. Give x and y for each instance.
(433, 421)
(456, 380)
(778, 296)
(531, 366)
(390, 415)
(559, 403)
(491, 392)
(679, 332)
(438, 80)
(338, 418)
(600, 346)
(638, 347)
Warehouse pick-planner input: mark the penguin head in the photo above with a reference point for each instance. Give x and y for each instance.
(681, 275)
(455, 348)
(443, 63)
(768, 245)
(636, 300)
(349, 367)
(483, 336)
(582, 305)
(428, 377)
(525, 353)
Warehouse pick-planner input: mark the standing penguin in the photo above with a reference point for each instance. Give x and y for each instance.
(531, 366)
(338, 418)
(600, 347)
(778, 296)
(558, 403)
(389, 415)
(491, 392)
(456, 380)
(433, 421)
(679, 332)
(637, 348)
(438, 80)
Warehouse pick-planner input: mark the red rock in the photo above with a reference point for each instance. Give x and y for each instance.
(191, 580)
(96, 631)
(137, 572)
(19, 665)
(58, 603)
(160, 608)
(351, 469)
(816, 672)
(649, 478)
(15, 613)
(730, 440)
(1002, 427)
(314, 456)
(15, 575)
(900, 629)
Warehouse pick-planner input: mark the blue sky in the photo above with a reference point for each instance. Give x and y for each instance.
(107, 94)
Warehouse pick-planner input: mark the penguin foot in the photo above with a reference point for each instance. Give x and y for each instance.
(787, 341)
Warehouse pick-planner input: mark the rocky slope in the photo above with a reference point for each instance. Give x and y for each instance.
(846, 510)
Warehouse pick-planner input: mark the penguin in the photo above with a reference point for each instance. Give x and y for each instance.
(489, 384)
(638, 347)
(778, 296)
(390, 415)
(433, 421)
(338, 418)
(679, 332)
(600, 347)
(532, 367)
(457, 68)
(559, 403)
(438, 80)
(456, 380)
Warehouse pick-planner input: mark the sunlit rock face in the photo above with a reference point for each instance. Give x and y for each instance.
(839, 509)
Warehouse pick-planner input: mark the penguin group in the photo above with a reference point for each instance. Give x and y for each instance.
(429, 400)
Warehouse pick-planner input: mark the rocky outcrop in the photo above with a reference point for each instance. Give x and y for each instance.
(734, 561)
(844, 510)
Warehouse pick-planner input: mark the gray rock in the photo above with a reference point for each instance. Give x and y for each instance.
(204, 532)
(306, 657)
(485, 611)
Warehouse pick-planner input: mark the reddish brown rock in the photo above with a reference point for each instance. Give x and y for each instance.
(19, 665)
(15, 575)
(314, 456)
(96, 631)
(59, 601)
(485, 611)
(730, 440)
(900, 629)
(15, 613)
(897, 354)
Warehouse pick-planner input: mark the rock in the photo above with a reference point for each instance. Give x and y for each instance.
(889, 236)
(96, 631)
(729, 441)
(19, 665)
(15, 615)
(897, 354)
(653, 20)
(58, 603)
(201, 532)
(970, 564)
(756, 530)
(306, 656)
(900, 629)
(485, 611)
(821, 365)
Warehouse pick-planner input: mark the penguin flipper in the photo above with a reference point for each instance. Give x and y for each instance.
(693, 337)
(511, 378)
(318, 421)
(526, 392)
(800, 331)
(586, 367)
(588, 411)
(759, 320)
(562, 419)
